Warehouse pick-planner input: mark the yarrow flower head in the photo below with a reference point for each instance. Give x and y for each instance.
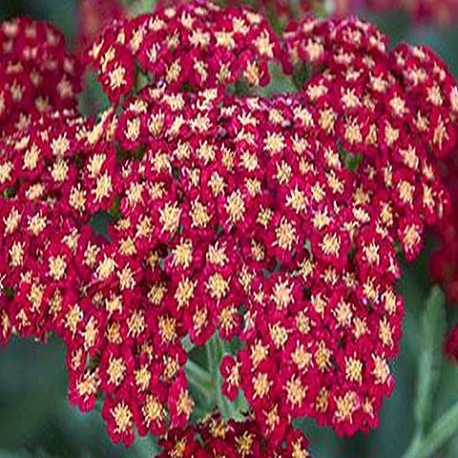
(195, 44)
(337, 220)
(443, 261)
(276, 221)
(37, 75)
(38, 174)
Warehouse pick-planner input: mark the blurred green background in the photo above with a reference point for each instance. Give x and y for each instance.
(37, 421)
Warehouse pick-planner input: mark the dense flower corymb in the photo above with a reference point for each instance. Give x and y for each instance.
(275, 221)
(37, 75)
(444, 259)
(372, 182)
(197, 44)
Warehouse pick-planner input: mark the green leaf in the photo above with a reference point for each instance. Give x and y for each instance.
(100, 223)
(279, 83)
(301, 74)
(430, 358)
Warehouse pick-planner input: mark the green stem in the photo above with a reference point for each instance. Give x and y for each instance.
(227, 408)
(199, 378)
(301, 75)
(212, 358)
(443, 430)
(216, 349)
(187, 344)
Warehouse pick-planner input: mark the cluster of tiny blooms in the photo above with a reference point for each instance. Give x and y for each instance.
(37, 75)
(122, 302)
(276, 221)
(352, 175)
(444, 259)
(215, 437)
(93, 16)
(290, 209)
(197, 45)
(442, 12)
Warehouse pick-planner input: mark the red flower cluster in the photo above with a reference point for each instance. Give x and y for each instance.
(215, 437)
(197, 45)
(443, 262)
(37, 75)
(371, 123)
(275, 221)
(444, 259)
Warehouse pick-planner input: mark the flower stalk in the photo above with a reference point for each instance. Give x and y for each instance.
(426, 441)
(442, 431)
(216, 349)
(199, 379)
